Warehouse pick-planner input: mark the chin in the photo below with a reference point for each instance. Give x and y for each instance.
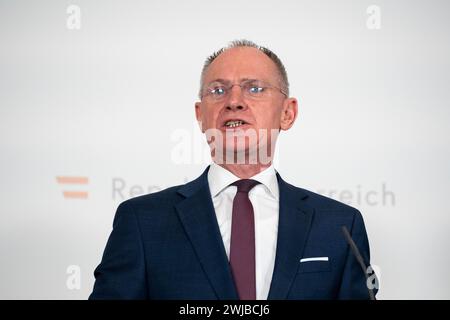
(240, 153)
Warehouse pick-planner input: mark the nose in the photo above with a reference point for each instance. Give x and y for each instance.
(235, 101)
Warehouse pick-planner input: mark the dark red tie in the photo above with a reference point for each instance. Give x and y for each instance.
(242, 243)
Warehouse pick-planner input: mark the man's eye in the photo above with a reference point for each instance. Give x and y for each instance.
(256, 89)
(218, 91)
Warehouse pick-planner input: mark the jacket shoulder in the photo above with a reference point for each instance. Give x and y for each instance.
(322, 203)
(327, 203)
(168, 196)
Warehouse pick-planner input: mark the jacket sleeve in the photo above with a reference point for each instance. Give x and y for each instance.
(121, 273)
(353, 283)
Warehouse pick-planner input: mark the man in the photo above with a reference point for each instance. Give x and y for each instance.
(239, 231)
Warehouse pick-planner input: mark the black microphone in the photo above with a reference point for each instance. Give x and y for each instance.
(358, 257)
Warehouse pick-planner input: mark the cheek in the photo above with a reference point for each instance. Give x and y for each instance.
(268, 115)
(268, 120)
(209, 116)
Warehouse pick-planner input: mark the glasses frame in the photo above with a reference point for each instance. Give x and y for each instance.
(207, 92)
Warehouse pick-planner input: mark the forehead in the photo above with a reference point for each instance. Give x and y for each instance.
(242, 62)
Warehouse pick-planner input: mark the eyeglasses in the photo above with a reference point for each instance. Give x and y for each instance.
(252, 89)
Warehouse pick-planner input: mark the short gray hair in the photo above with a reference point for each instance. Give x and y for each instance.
(284, 83)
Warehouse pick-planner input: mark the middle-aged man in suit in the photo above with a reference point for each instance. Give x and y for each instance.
(239, 231)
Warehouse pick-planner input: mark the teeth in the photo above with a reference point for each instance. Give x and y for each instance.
(233, 124)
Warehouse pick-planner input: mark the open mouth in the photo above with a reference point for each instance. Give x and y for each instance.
(234, 123)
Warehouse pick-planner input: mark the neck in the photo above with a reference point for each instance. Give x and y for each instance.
(245, 171)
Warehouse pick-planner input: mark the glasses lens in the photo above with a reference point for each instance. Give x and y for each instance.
(254, 89)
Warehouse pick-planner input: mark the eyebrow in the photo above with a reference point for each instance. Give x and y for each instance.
(220, 80)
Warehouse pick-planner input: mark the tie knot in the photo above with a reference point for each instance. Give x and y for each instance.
(245, 185)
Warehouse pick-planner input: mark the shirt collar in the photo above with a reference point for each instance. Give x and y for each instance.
(220, 178)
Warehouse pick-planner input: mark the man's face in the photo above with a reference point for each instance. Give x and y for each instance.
(258, 115)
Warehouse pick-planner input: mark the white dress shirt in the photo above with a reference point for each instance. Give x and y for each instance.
(265, 200)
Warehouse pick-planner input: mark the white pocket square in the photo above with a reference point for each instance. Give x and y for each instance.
(314, 259)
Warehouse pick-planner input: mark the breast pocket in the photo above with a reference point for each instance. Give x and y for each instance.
(314, 266)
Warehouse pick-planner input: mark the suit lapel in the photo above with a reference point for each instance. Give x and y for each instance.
(293, 227)
(198, 217)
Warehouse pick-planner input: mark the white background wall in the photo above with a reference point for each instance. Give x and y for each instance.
(110, 101)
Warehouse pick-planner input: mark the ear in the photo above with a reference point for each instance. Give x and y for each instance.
(198, 114)
(288, 113)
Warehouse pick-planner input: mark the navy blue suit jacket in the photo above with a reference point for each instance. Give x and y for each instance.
(167, 245)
